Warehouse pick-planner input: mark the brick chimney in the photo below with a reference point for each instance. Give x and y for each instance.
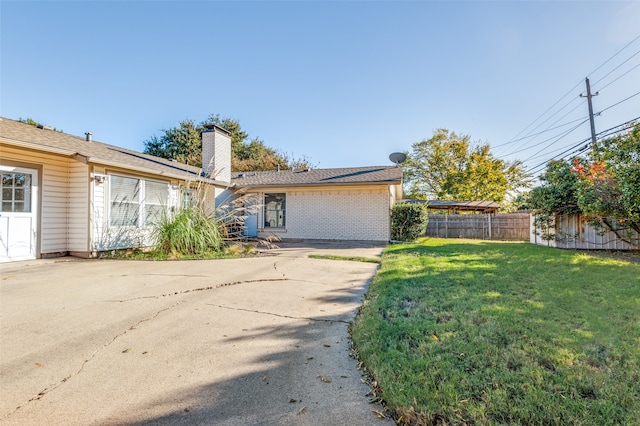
(216, 153)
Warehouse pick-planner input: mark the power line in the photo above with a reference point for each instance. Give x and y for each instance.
(616, 54)
(539, 133)
(567, 94)
(618, 103)
(601, 135)
(546, 140)
(628, 71)
(610, 72)
(541, 115)
(561, 137)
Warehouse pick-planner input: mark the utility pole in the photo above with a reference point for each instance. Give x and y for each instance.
(593, 125)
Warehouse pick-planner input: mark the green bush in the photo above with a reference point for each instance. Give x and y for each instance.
(408, 221)
(189, 232)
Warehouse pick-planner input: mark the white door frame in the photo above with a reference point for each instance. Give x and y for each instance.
(22, 246)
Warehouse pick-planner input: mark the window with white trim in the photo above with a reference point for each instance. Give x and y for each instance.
(136, 202)
(275, 210)
(155, 200)
(16, 192)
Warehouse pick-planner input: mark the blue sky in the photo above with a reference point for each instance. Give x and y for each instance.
(343, 83)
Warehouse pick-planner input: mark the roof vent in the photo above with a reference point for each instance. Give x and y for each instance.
(43, 127)
(89, 136)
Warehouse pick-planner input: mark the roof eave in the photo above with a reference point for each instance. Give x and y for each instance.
(39, 147)
(185, 176)
(315, 184)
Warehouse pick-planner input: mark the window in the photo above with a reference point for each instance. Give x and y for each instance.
(125, 201)
(136, 202)
(274, 210)
(156, 195)
(189, 198)
(16, 192)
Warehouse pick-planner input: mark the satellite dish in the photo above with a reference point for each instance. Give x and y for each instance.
(398, 158)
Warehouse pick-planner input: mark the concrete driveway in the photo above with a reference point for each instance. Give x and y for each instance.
(226, 342)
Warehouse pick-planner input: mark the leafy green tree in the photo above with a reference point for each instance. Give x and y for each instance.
(184, 143)
(604, 186)
(558, 192)
(449, 167)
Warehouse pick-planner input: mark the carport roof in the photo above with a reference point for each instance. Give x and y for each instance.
(44, 139)
(389, 175)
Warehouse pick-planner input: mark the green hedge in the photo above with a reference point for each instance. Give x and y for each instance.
(408, 221)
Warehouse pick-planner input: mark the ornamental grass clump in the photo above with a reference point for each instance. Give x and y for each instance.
(189, 232)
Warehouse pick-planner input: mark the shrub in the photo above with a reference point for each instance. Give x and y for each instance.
(408, 221)
(189, 232)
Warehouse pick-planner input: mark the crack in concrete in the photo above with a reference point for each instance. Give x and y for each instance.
(253, 311)
(211, 287)
(46, 390)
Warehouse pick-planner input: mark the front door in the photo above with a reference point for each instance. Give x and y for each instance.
(18, 224)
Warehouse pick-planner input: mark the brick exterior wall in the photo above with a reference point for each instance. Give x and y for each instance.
(354, 214)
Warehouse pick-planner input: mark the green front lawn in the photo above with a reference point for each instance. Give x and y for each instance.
(477, 332)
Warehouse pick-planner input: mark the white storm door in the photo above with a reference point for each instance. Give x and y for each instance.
(18, 213)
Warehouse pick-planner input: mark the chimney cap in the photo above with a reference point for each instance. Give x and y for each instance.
(89, 136)
(215, 127)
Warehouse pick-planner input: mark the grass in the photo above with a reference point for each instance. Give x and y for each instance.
(474, 332)
(350, 258)
(191, 231)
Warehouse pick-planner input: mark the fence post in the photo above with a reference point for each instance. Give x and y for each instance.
(489, 220)
(446, 226)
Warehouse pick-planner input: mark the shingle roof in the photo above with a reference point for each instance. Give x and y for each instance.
(28, 136)
(390, 175)
(458, 204)
(464, 204)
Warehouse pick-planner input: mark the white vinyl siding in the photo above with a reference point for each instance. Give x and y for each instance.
(64, 193)
(78, 220)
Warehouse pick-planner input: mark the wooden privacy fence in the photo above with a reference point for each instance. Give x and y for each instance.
(574, 232)
(506, 227)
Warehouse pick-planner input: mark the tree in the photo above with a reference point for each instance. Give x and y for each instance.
(558, 192)
(449, 167)
(35, 123)
(604, 186)
(184, 144)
